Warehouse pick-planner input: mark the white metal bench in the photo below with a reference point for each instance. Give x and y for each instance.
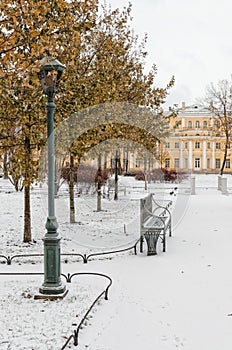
(111, 187)
(155, 223)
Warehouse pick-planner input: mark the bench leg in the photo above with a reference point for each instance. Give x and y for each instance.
(141, 244)
(164, 243)
(151, 239)
(170, 230)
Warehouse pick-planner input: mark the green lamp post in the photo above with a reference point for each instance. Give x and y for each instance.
(50, 74)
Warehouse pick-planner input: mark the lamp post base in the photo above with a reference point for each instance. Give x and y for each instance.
(52, 277)
(51, 296)
(53, 289)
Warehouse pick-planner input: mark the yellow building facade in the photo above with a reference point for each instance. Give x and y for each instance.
(196, 143)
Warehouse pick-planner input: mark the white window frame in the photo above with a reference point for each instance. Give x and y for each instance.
(177, 163)
(197, 124)
(218, 163)
(197, 163)
(228, 163)
(167, 163)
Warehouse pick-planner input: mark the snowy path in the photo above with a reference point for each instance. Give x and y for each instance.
(178, 299)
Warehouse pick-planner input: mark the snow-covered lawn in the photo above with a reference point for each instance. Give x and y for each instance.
(178, 299)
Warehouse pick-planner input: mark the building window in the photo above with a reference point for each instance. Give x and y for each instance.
(177, 145)
(218, 163)
(218, 145)
(167, 163)
(137, 163)
(227, 163)
(197, 124)
(218, 124)
(176, 162)
(217, 135)
(190, 124)
(208, 163)
(177, 123)
(167, 144)
(197, 144)
(208, 145)
(186, 145)
(186, 163)
(197, 163)
(205, 124)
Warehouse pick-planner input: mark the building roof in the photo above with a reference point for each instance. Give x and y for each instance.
(194, 108)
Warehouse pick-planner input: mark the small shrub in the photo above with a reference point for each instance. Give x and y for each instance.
(84, 174)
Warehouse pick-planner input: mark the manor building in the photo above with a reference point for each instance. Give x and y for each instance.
(196, 142)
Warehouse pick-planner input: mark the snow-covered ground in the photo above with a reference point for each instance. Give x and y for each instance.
(178, 299)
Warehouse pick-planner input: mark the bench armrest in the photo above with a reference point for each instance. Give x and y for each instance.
(165, 211)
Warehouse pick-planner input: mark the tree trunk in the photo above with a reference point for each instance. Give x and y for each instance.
(5, 167)
(116, 177)
(127, 161)
(225, 156)
(27, 182)
(105, 161)
(99, 184)
(149, 170)
(145, 173)
(119, 164)
(71, 190)
(27, 215)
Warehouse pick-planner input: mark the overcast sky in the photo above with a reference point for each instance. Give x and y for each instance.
(190, 39)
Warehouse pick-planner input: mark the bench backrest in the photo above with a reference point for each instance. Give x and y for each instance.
(145, 209)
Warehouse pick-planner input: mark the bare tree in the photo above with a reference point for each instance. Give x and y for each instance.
(219, 101)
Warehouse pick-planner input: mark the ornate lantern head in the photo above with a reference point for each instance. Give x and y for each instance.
(50, 74)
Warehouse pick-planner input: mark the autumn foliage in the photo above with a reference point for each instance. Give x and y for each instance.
(104, 64)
